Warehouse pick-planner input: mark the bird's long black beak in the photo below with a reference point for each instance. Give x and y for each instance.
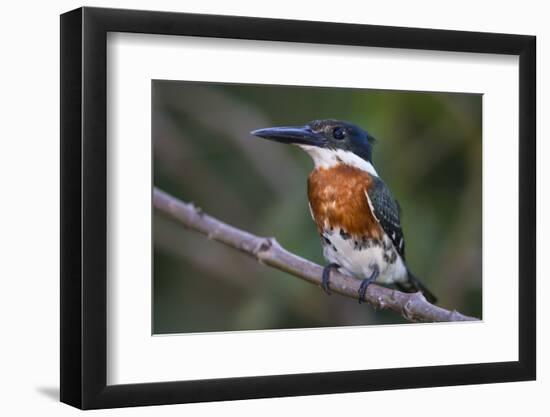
(298, 135)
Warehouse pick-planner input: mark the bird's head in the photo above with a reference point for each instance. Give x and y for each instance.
(328, 142)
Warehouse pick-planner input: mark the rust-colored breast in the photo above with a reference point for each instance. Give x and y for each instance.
(337, 199)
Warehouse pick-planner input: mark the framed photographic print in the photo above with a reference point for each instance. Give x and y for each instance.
(258, 207)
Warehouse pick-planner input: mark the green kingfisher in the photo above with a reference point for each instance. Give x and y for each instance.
(356, 215)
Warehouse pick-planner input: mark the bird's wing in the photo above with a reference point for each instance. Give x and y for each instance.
(386, 210)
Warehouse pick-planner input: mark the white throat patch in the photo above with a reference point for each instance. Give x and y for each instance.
(326, 158)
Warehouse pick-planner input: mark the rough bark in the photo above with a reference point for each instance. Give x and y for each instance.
(412, 306)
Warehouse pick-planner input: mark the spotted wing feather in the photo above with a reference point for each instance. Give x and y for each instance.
(388, 213)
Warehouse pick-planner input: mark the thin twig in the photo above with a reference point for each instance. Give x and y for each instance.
(412, 306)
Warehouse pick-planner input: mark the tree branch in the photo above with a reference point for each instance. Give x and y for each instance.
(412, 306)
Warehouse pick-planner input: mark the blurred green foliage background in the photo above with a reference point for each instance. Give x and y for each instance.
(429, 153)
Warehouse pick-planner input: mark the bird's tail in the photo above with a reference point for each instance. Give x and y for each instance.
(414, 284)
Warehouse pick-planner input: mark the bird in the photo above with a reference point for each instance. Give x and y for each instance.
(357, 217)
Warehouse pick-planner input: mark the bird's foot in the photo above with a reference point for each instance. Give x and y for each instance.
(326, 276)
(366, 282)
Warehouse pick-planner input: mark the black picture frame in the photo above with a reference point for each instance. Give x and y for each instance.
(84, 197)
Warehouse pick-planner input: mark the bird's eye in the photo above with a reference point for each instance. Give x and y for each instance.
(338, 133)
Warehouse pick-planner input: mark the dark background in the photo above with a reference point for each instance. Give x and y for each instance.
(428, 152)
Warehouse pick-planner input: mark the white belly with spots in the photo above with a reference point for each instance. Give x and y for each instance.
(358, 258)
